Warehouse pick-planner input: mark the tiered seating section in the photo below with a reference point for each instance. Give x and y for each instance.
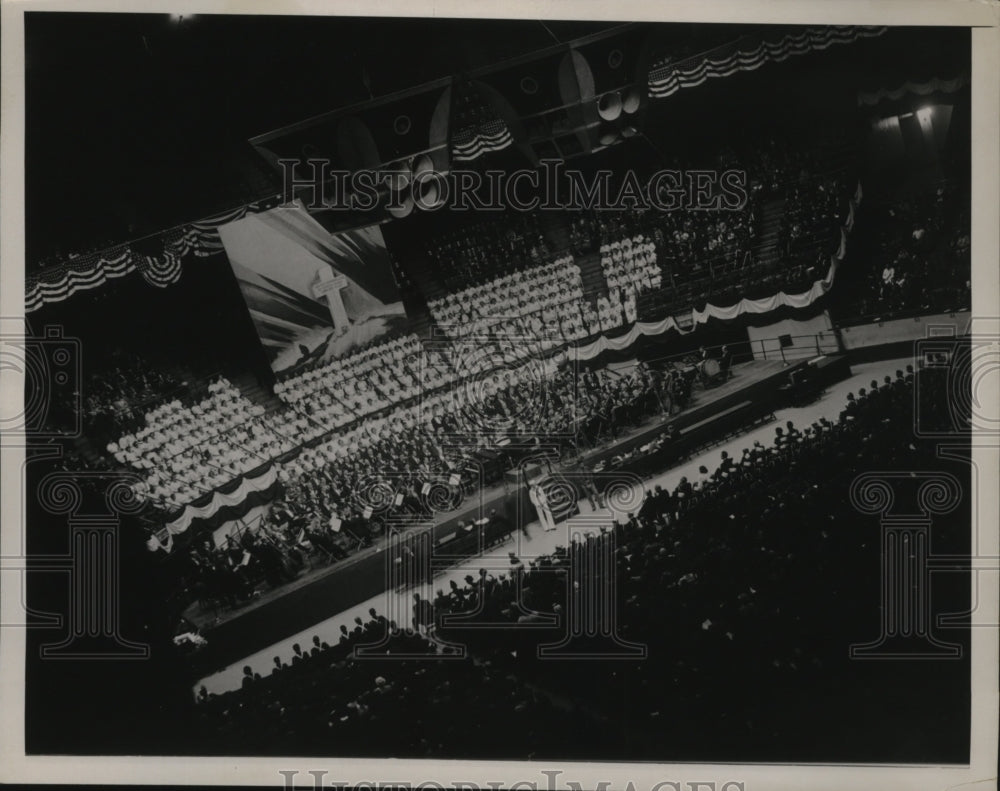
(187, 451)
(344, 390)
(512, 306)
(487, 249)
(542, 302)
(631, 263)
(508, 304)
(920, 259)
(434, 443)
(781, 238)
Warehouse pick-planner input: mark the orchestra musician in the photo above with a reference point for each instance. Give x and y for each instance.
(725, 362)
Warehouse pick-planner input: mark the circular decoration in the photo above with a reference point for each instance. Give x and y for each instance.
(529, 85)
(615, 58)
(609, 106)
(562, 494)
(121, 497)
(59, 493)
(441, 498)
(487, 369)
(401, 125)
(429, 193)
(402, 175)
(939, 495)
(609, 138)
(631, 100)
(972, 375)
(401, 210)
(422, 164)
(871, 495)
(624, 493)
(31, 361)
(376, 492)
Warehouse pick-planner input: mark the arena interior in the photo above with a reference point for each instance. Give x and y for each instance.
(564, 482)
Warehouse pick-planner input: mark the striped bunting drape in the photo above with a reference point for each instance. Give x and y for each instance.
(472, 143)
(748, 54)
(90, 271)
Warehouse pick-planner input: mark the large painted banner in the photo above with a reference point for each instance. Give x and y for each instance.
(312, 295)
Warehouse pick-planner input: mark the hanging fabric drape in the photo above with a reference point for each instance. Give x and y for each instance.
(58, 283)
(476, 123)
(927, 88)
(235, 498)
(748, 54)
(87, 272)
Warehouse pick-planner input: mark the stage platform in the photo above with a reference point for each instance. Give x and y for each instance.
(754, 390)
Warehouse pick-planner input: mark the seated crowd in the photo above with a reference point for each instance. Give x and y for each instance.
(432, 441)
(546, 296)
(187, 451)
(631, 270)
(921, 257)
(610, 312)
(115, 395)
(775, 164)
(295, 707)
(655, 256)
(487, 250)
(702, 574)
(807, 236)
(340, 391)
(687, 250)
(811, 216)
(333, 500)
(709, 256)
(697, 244)
(631, 263)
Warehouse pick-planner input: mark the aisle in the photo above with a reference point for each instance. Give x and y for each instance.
(539, 542)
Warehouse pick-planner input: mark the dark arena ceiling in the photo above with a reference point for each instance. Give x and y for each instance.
(138, 122)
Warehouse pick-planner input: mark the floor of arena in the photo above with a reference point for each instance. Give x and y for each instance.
(540, 542)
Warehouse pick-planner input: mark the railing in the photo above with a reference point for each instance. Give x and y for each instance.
(859, 319)
(775, 348)
(814, 344)
(940, 305)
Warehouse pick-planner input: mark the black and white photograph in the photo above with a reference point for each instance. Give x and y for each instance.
(529, 387)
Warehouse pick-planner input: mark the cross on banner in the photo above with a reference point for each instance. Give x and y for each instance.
(329, 285)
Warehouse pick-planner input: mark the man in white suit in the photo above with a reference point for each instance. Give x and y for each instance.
(541, 502)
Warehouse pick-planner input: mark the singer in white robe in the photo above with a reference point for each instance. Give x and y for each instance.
(541, 502)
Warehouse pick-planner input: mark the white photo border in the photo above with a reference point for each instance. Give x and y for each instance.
(983, 17)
